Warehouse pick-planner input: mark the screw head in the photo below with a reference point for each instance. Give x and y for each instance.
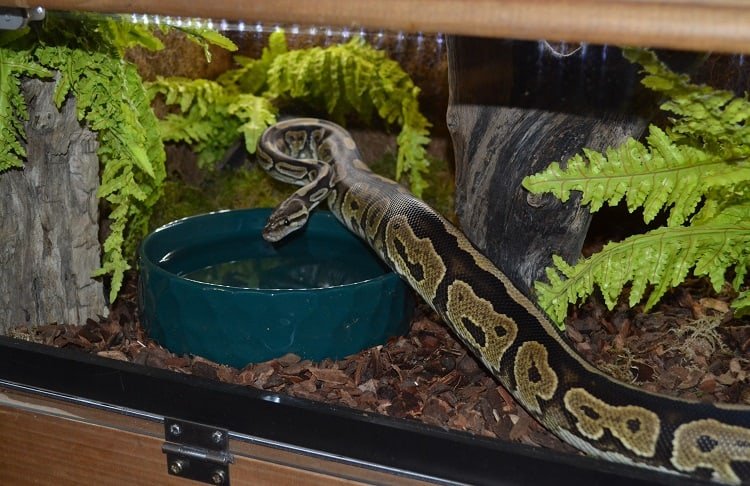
(535, 200)
(217, 436)
(37, 13)
(176, 467)
(218, 477)
(175, 429)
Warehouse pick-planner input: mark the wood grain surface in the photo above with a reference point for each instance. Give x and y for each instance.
(49, 441)
(49, 245)
(720, 25)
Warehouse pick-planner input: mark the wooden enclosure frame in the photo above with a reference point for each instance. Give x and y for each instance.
(705, 25)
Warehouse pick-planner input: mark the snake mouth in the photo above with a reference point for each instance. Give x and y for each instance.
(270, 237)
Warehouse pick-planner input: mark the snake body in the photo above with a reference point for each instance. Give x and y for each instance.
(502, 327)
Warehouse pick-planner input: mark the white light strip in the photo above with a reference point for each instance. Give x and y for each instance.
(224, 25)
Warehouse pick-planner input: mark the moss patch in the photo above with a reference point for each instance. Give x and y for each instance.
(252, 188)
(223, 189)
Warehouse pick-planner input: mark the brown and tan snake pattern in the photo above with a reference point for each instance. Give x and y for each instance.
(511, 336)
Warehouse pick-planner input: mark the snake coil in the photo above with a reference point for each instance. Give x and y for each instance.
(501, 326)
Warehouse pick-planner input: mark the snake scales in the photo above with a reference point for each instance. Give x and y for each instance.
(510, 335)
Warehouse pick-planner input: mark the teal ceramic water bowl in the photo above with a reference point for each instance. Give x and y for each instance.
(211, 286)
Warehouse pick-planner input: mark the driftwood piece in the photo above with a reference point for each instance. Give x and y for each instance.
(49, 243)
(514, 108)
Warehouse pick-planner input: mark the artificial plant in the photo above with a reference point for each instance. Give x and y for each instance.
(697, 169)
(342, 79)
(84, 54)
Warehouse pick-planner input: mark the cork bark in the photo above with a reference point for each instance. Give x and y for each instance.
(49, 243)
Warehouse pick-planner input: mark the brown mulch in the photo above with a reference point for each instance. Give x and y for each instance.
(690, 346)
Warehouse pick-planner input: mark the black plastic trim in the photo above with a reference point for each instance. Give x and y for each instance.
(339, 431)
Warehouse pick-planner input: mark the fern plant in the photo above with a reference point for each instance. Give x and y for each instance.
(340, 79)
(87, 53)
(14, 64)
(211, 116)
(697, 170)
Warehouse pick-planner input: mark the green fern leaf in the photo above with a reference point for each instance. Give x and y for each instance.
(741, 304)
(252, 75)
(412, 156)
(178, 128)
(256, 113)
(205, 120)
(197, 95)
(123, 34)
(13, 112)
(206, 37)
(661, 258)
(654, 177)
(705, 116)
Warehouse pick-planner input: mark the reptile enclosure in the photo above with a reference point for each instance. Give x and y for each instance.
(71, 418)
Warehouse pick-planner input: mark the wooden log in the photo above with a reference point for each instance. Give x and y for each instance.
(514, 108)
(49, 243)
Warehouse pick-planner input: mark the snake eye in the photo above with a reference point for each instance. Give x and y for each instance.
(286, 222)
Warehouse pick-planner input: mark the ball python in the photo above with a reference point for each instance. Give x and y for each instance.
(502, 327)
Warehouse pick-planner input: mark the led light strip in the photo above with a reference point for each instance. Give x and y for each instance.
(223, 25)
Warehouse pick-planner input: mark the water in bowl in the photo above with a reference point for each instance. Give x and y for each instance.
(299, 263)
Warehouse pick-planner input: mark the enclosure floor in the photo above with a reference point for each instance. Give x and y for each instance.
(689, 346)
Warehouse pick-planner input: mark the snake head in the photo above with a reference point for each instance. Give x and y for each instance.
(290, 216)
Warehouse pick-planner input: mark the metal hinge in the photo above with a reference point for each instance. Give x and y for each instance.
(17, 18)
(196, 451)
